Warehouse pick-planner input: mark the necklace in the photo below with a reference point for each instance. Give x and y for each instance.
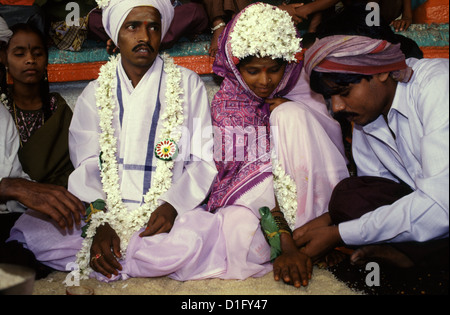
(5, 101)
(29, 128)
(122, 220)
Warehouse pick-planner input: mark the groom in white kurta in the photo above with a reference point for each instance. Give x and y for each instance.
(140, 103)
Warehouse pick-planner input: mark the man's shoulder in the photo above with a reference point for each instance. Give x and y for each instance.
(190, 80)
(426, 69)
(188, 73)
(4, 114)
(91, 87)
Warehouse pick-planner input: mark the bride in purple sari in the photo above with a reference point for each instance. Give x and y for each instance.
(267, 120)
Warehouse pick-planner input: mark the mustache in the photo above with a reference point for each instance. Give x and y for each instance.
(143, 45)
(345, 115)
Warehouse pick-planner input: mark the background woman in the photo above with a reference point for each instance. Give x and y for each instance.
(42, 118)
(40, 121)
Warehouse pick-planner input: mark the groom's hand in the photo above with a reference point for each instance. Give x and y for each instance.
(161, 220)
(105, 251)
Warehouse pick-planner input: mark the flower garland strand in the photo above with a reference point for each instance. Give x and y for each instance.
(285, 191)
(102, 3)
(123, 221)
(4, 100)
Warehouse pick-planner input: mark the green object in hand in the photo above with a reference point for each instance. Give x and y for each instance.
(271, 232)
(94, 207)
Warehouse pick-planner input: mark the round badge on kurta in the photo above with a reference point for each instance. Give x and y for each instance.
(166, 150)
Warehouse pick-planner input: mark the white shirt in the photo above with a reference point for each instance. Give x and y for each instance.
(419, 156)
(9, 160)
(194, 169)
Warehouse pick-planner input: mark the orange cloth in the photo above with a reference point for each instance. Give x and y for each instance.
(17, 2)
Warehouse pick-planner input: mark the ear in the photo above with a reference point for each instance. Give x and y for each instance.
(382, 77)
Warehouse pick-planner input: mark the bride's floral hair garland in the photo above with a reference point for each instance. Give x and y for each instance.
(122, 220)
(264, 30)
(102, 3)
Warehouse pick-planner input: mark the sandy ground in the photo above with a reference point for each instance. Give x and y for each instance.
(322, 283)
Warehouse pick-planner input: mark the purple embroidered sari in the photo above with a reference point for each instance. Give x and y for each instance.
(241, 126)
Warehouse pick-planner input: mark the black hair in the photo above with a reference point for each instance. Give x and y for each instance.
(44, 85)
(329, 84)
(248, 59)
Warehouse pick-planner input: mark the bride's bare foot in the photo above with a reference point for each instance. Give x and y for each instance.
(382, 253)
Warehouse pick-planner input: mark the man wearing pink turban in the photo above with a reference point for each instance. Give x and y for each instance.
(397, 209)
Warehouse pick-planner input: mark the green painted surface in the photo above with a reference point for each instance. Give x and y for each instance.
(428, 35)
(424, 35)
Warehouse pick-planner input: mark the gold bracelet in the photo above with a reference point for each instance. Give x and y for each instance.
(282, 224)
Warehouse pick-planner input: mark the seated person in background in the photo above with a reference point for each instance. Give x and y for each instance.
(5, 35)
(311, 12)
(43, 121)
(18, 192)
(190, 19)
(42, 118)
(220, 12)
(390, 11)
(23, 11)
(352, 21)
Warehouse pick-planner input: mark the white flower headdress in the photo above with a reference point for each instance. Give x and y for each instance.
(102, 3)
(263, 30)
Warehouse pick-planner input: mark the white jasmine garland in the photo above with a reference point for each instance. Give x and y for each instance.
(263, 30)
(4, 100)
(122, 220)
(102, 3)
(285, 191)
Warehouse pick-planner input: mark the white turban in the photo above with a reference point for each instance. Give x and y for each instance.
(5, 32)
(116, 12)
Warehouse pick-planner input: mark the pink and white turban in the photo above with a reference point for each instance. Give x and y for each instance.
(115, 13)
(357, 54)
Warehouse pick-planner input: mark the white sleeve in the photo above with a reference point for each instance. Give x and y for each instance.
(424, 214)
(191, 189)
(85, 181)
(9, 160)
